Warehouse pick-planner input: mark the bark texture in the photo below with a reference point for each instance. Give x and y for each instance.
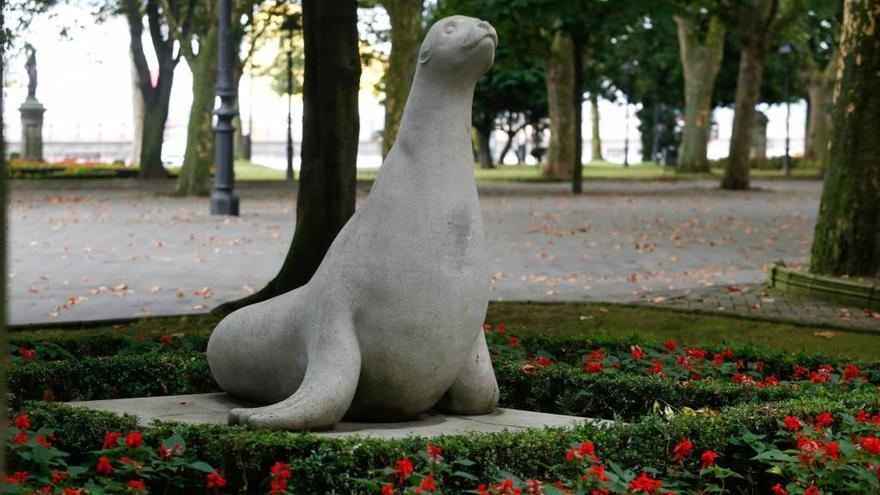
(326, 197)
(406, 18)
(847, 237)
(596, 141)
(577, 104)
(559, 75)
(155, 97)
(700, 61)
(195, 174)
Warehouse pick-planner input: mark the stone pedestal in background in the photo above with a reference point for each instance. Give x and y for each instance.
(32, 129)
(759, 137)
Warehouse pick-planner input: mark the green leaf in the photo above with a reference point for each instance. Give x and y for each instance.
(202, 466)
(774, 455)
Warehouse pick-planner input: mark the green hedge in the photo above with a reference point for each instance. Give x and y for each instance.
(556, 389)
(330, 465)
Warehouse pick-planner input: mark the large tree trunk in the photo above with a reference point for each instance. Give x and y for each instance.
(331, 125)
(484, 154)
(137, 116)
(820, 89)
(847, 237)
(559, 76)
(759, 22)
(155, 98)
(195, 173)
(577, 103)
(596, 142)
(406, 18)
(700, 62)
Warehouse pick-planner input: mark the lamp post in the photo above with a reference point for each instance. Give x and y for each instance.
(786, 50)
(223, 199)
(628, 69)
(291, 24)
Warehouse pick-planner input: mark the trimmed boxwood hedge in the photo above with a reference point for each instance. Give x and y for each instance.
(323, 465)
(557, 389)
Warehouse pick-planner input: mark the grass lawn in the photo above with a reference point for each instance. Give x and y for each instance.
(248, 171)
(590, 320)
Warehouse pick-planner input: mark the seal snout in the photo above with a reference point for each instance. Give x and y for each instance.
(480, 31)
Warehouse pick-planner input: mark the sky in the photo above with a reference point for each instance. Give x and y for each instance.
(85, 85)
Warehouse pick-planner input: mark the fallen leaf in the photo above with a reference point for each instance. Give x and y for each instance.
(826, 334)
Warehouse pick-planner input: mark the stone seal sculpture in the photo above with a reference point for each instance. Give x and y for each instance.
(390, 325)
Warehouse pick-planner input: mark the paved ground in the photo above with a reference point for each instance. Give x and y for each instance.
(80, 251)
(214, 409)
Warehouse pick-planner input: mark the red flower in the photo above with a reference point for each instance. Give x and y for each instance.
(136, 486)
(71, 491)
(863, 417)
(597, 355)
(812, 490)
(280, 470)
(165, 339)
(214, 480)
(21, 438)
(513, 342)
(820, 376)
(104, 467)
(17, 478)
(403, 468)
(792, 423)
(824, 419)
(656, 368)
(58, 477)
(501, 327)
(544, 361)
(111, 440)
(40, 439)
(23, 422)
(593, 367)
(778, 490)
(636, 352)
(683, 449)
(388, 489)
(427, 484)
(134, 440)
(799, 371)
(165, 453)
(645, 484)
(598, 472)
(27, 354)
(586, 448)
(434, 451)
(832, 451)
(708, 459)
(851, 372)
(871, 444)
(670, 345)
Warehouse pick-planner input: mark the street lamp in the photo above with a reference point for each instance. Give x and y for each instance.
(291, 24)
(223, 200)
(628, 69)
(786, 50)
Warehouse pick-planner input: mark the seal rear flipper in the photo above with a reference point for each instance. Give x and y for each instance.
(326, 392)
(475, 391)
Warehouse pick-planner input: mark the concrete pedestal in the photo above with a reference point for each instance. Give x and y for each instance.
(214, 408)
(32, 130)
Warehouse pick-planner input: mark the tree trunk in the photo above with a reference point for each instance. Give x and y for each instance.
(195, 173)
(326, 196)
(756, 36)
(137, 116)
(700, 62)
(820, 89)
(406, 18)
(577, 103)
(847, 237)
(484, 154)
(559, 77)
(596, 142)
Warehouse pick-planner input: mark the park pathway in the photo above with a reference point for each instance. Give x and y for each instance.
(87, 250)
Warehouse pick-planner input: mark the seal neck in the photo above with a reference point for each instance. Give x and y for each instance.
(436, 121)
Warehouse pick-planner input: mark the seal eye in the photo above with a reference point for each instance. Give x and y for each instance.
(450, 27)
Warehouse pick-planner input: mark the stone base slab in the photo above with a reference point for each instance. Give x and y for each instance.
(213, 409)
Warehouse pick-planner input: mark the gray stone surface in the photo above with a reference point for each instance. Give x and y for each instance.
(213, 409)
(390, 324)
(87, 250)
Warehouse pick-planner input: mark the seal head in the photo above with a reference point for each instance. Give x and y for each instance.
(460, 46)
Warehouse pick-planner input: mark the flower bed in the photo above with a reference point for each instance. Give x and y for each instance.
(67, 169)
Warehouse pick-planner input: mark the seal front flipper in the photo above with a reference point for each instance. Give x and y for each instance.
(326, 392)
(475, 391)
